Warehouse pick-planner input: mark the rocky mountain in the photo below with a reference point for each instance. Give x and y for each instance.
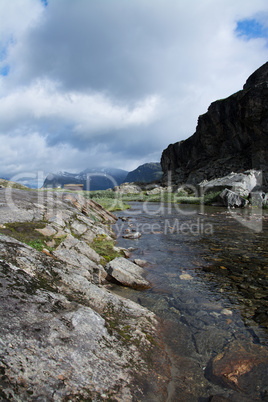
(104, 178)
(145, 173)
(92, 179)
(231, 137)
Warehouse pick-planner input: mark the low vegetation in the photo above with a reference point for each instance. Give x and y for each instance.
(113, 201)
(26, 232)
(105, 248)
(11, 184)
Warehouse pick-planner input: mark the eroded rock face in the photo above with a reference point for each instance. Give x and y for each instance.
(231, 137)
(64, 336)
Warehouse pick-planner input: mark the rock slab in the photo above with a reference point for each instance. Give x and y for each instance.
(127, 273)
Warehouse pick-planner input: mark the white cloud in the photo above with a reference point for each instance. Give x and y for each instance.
(87, 113)
(111, 82)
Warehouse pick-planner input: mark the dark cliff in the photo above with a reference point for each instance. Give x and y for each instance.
(231, 136)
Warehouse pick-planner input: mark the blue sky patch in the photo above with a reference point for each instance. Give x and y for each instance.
(251, 28)
(4, 70)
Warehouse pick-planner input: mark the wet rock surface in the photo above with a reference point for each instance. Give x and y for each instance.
(241, 366)
(64, 335)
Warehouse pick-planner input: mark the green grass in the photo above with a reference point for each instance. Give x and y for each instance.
(113, 201)
(111, 204)
(105, 248)
(11, 184)
(37, 244)
(25, 232)
(211, 197)
(107, 199)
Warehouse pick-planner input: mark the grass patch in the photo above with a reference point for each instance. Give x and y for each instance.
(11, 184)
(211, 197)
(105, 248)
(25, 232)
(107, 199)
(113, 201)
(111, 204)
(37, 244)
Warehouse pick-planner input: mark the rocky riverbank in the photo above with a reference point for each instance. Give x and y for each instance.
(64, 335)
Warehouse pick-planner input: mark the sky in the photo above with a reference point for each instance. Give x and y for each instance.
(111, 83)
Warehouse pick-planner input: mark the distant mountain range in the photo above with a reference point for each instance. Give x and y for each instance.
(145, 173)
(104, 178)
(92, 179)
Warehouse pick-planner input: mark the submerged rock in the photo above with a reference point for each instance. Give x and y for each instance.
(241, 366)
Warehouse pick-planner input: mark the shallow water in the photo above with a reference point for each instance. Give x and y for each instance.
(209, 275)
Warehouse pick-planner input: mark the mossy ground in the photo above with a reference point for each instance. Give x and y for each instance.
(105, 248)
(26, 232)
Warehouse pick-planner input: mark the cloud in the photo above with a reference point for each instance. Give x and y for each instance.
(90, 114)
(112, 83)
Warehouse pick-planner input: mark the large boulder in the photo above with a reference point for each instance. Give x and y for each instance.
(127, 273)
(241, 183)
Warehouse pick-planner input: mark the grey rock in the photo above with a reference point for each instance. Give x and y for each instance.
(140, 263)
(127, 188)
(47, 231)
(127, 273)
(78, 228)
(134, 235)
(155, 191)
(64, 336)
(240, 183)
(231, 199)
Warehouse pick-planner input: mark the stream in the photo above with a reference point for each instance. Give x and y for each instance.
(209, 273)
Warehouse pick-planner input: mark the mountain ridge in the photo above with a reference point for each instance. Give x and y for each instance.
(104, 178)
